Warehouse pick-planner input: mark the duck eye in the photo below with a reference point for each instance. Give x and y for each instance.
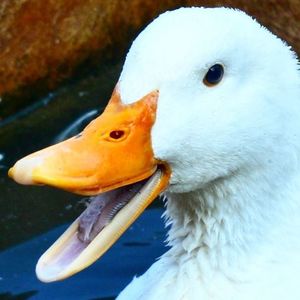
(116, 134)
(214, 75)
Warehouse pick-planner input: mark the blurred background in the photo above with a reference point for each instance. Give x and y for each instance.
(59, 62)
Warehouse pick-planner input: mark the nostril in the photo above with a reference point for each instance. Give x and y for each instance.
(116, 134)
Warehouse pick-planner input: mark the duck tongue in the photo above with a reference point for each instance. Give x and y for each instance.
(102, 209)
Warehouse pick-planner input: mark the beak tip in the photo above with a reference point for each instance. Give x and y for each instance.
(11, 173)
(22, 171)
(41, 276)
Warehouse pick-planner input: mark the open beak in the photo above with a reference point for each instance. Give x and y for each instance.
(111, 160)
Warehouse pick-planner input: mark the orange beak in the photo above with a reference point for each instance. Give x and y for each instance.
(113, 151)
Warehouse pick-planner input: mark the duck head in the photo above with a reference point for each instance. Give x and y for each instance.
(211, 123)
(204, 94)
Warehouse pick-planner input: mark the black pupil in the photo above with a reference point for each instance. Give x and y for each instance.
(116, 134)
(214, 74)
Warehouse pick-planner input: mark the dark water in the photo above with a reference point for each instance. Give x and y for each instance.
(132, 255)
(31, 218)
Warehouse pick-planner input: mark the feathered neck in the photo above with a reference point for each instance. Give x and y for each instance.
(232, 220)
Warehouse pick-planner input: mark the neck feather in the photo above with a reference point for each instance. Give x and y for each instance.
(231, 220)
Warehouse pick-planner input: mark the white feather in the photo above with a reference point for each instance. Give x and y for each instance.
(234, 198)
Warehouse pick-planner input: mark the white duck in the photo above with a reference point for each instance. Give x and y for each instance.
(227, 125)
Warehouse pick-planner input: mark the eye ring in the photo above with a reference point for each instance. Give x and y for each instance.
(214, 75)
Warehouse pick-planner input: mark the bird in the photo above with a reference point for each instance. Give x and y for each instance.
(206, 111)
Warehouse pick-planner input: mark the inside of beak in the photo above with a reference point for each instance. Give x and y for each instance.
(111, 160)
(99, 226)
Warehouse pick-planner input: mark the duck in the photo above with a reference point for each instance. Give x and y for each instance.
(206, 112)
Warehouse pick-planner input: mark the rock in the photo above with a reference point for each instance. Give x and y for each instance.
(44, 42)
(48, 39)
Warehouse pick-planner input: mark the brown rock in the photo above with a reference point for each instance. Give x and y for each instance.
(46, 40)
